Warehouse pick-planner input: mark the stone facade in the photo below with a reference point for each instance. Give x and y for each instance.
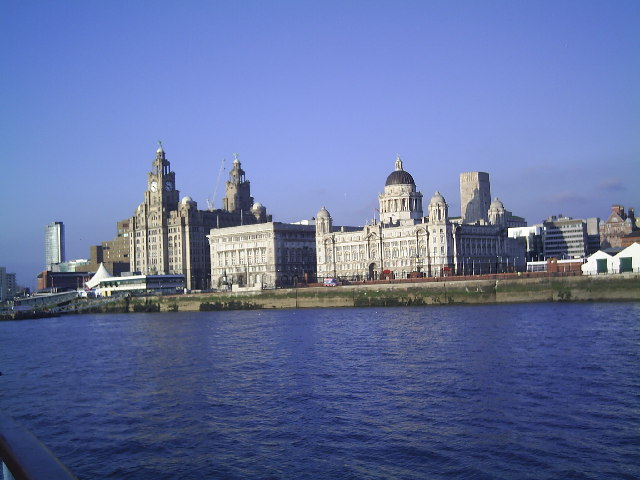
(116, 251)
(404, 242)
(618, 225)
(113, 254)
(475, 196)
(401, 203)
(169, 236)
(264, 255)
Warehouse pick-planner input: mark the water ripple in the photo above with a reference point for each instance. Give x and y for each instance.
(541, 391)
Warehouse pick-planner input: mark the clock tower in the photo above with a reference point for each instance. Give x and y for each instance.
(149, 250)
(168, 234)
(161, 183)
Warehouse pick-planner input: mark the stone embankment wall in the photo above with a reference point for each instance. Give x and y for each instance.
(444, 292)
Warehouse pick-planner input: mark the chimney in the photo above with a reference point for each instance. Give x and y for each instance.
(619, 209)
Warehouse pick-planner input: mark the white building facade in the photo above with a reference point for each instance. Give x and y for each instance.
(54, 248)
(265, 255)
(405, 242)
(606, 261)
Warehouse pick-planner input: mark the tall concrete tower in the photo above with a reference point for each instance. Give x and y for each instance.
(475, 196)
(53, 244)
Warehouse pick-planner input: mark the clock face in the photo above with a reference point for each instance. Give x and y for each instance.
(154, 186)
(168, 186)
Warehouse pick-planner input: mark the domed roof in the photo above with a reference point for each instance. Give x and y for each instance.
(323, 213)
(437, 198)
(256, 206)
(399, 176)
(497, 204)
(186, 200)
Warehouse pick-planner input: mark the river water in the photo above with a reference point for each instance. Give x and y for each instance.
(539, 391)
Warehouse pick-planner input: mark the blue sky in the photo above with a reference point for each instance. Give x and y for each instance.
(317, 98)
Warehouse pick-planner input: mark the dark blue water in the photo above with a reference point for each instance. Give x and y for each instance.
(544, 391)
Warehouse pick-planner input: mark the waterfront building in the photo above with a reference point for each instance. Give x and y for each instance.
(49, 281)
(54, 244)
(613, 260)
(114, 254)
(566, 237)
(531, 238)
(140, 285)
(617, 226)
(8, 287)
(169, 236)
(630, 239)
(76, 265)
(264, 255)
(406, 242)
(554, 265)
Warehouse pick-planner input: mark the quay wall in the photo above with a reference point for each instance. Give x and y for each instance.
(623, 287)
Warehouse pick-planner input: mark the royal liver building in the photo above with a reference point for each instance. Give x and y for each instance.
(405, 241)
(168, 235)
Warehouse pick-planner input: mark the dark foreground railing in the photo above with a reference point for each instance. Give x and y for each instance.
(24, 457)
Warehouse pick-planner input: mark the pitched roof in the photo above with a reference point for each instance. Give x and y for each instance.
(101, 274)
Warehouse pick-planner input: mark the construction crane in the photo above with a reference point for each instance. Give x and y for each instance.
(210, 205)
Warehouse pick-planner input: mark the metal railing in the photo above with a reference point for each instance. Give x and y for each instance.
(24, 457)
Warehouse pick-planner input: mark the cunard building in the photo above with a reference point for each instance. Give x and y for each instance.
(406, 240)
(168, 234)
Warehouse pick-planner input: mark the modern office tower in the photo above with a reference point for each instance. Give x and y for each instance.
(475, 196)
(53, 244)
(564, 237)
(531, 238)
(8, 288)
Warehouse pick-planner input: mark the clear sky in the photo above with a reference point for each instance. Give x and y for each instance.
(317, 98)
